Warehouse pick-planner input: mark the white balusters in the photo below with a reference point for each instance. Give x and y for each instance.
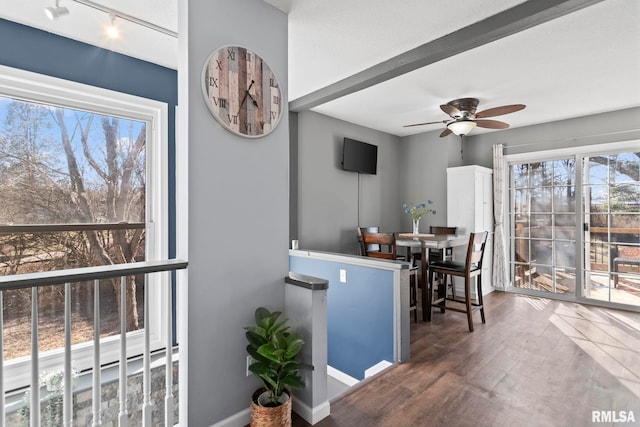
(122, 415)
(97, 390)
(69, 278)
(34, 413)
(67, 411)
(168, 398)
(146, 362)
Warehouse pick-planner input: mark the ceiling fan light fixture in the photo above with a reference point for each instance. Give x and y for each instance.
(55, 12)
(461, 127)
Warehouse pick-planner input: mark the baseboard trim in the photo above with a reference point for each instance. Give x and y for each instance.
(341, 376)
(378, 367)
(311, 415)
(239, 419)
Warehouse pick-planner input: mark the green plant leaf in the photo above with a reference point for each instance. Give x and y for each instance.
(255, 339)
(274, 349)
(269, 351)
(253, 352)
(261, 313)
(293, 348)
(293, 381)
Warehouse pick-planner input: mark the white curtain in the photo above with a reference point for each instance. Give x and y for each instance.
(499, 250)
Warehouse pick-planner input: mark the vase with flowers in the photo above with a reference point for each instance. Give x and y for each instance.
(417, 211)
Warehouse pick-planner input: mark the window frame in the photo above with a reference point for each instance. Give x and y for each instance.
(29, 86)
(578, 153)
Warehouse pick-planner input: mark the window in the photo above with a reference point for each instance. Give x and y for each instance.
(83, 182)
(575, 223)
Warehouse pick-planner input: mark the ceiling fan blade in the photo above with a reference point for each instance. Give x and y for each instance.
(446, 132)
(491, 124)
(498, 111)
(450, 110)
(427, 123)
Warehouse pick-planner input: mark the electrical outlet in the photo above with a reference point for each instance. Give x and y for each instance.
(250, 361)
(343, 276)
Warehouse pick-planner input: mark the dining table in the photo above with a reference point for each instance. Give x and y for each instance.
(425, 242)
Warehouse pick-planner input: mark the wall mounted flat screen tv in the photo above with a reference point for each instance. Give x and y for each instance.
(359, 156)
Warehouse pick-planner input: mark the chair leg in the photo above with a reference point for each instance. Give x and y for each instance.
(453, 287)
(479, 281)
(442, 292)
(413, 295)
(467, 301)
(426, 297)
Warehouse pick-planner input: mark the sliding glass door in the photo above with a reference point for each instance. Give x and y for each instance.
(575, 226)
(543, 235)
(611, 205)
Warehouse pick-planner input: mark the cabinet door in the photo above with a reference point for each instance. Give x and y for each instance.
(461, 197)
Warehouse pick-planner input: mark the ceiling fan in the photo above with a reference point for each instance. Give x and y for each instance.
(464, 117)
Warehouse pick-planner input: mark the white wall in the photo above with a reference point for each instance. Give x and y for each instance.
(238, 210)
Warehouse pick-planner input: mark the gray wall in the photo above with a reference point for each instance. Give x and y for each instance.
(411, 169)
(238, 212)
(596, 129)
(425, 158)
(327, 197)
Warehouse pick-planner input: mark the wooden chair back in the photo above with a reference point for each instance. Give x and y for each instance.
(372, 247)
(435, 229)
(435, 254)
(386, 242)
(475, 251)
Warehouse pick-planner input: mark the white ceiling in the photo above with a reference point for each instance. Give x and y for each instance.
(583, 63)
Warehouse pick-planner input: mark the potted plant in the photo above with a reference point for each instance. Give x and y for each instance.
(274, 349)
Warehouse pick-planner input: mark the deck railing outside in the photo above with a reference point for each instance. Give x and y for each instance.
(34, 281)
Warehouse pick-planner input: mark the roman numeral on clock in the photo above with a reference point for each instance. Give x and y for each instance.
(220, 102)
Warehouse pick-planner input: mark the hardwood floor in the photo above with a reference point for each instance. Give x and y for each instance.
(536, 362)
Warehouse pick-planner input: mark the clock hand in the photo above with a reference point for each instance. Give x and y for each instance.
(246, 92)
(254, 100)
(242, 103)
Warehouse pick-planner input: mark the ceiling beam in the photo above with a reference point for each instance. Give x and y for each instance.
(511, 21)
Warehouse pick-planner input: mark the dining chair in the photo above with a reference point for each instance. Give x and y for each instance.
(372, 247)
(472, 267)
(435, 254)
(388, 250)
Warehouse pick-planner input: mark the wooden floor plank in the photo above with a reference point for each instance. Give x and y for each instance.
(536, 362)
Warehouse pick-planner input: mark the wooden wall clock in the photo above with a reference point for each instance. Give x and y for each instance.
(241, 91)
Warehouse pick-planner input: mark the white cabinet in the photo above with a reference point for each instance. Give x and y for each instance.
(470, 208)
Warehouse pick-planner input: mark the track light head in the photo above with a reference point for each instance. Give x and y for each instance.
(55, 12)
(113, 32)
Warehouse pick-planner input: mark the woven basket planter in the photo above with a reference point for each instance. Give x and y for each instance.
(276, 416)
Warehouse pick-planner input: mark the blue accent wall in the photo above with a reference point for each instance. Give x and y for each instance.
(359, 313)
(41, 52)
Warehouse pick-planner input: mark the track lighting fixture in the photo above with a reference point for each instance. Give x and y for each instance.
(112, 29)
(55, 12)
